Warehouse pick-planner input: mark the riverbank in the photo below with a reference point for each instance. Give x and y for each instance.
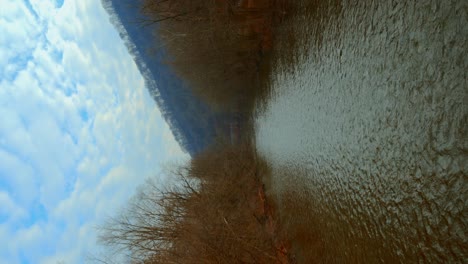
(216, 211)
(245, 173)
(270, 224)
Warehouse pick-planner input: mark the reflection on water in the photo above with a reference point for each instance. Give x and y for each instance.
(369, 125)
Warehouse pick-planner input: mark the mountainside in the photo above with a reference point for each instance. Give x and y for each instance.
(193, 123)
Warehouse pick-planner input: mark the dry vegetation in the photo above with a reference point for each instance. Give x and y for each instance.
(215, 212)
(216, 45)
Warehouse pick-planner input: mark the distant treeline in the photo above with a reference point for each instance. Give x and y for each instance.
(216, 45)
(194, 123)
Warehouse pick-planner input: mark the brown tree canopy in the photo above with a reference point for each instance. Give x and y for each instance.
(208, 216)
(214, 44)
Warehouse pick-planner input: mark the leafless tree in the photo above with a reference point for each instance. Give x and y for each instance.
(207, 216)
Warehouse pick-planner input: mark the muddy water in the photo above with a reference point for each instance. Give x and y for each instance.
(366, 130)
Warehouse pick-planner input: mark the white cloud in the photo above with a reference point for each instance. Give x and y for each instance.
(171, 147)
(17, 36)
(43, 8)
(17, 178)
(78, 131)
(9, 209)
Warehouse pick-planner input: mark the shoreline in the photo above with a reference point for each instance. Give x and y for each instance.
(271, 226)
(266, 215)
(266, 211)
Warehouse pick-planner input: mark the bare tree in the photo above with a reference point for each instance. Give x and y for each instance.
(213, 44)
(207, 216)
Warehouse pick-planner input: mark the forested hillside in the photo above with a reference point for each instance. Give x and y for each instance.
(194, 124)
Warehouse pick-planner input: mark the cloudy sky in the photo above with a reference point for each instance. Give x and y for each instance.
(78, 130)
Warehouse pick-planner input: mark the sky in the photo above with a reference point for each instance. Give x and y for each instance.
(78, 130)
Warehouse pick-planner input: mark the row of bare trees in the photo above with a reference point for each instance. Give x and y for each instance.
(208, 215)
(214, 44)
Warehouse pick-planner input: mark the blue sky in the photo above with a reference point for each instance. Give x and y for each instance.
(78, 130)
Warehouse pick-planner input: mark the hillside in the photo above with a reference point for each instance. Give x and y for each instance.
(194, 124)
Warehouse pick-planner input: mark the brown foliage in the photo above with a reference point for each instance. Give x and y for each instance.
(216, 45)
(209, 215)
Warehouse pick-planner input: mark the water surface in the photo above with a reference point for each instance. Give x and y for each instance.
(367, 120)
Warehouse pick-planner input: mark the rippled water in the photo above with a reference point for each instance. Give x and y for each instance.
(368, 122)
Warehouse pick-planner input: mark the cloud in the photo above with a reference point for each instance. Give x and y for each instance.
(10, 211)
(170, 146)
(78, 130)
(17, 38)
(16, 178)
